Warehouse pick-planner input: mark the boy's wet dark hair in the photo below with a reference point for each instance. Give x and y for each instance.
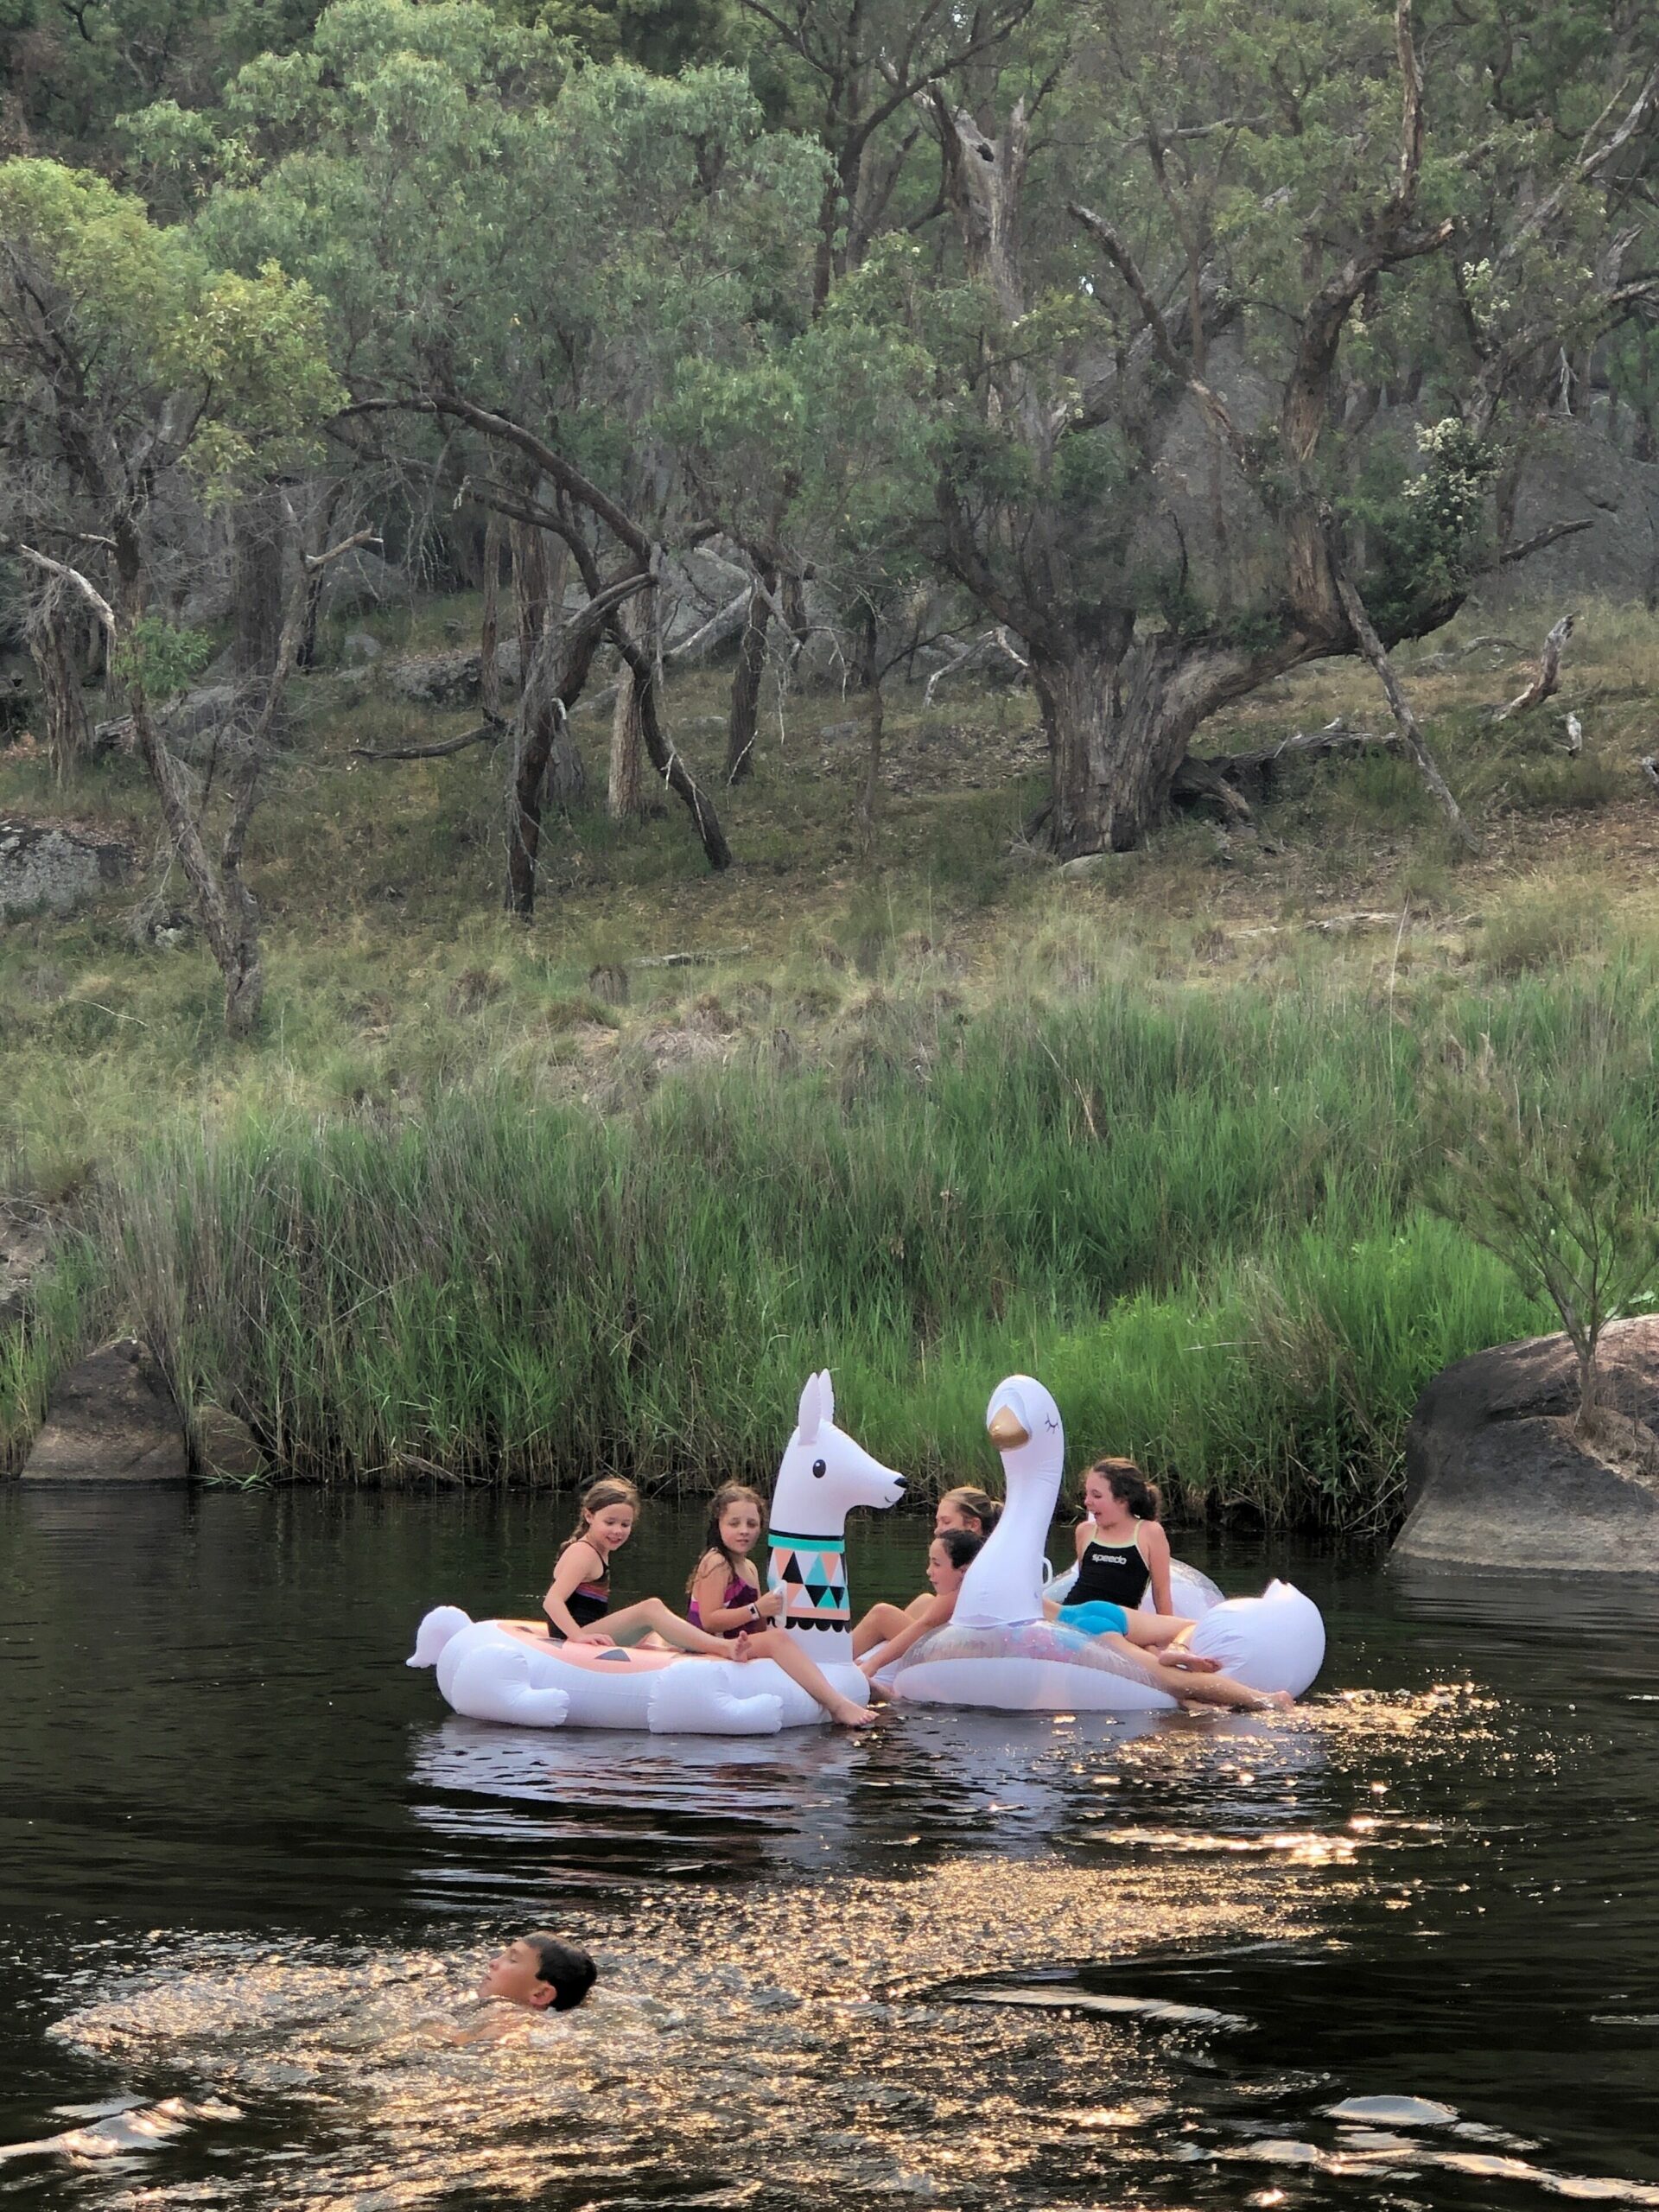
(570, 1971)
(962, 1545)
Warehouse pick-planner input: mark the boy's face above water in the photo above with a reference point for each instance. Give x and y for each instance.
(513, 1976)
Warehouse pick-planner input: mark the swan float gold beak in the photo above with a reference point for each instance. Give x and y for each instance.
(1005, 1429)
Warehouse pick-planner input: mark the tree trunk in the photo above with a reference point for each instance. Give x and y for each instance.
(1117, 731)
(257, 598)
(744, 725)
(67, 733)
(625, 795)
(489, 627)
(871, 793)
(553, 683)
(531, 583)
(1588, 1420)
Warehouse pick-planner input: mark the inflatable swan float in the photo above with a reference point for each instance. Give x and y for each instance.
(998, 1649)
(492, 1670)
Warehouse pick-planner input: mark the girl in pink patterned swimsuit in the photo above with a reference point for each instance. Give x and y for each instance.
(727, 1601)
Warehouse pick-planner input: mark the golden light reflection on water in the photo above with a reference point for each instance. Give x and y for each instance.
(931, 2034)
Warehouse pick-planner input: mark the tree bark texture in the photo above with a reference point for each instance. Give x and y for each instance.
(625, 795)
(68, 734)
(489, 627)
(743, 726)
(553, 683)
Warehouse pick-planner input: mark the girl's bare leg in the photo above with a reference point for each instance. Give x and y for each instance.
(777, 1645)
(1204, 1690)
(1154, 1630)
(631, 1623)
(880, 1623)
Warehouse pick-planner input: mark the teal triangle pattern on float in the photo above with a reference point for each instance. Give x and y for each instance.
(811, 1571)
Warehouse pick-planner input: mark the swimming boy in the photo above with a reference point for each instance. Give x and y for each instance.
(539, 1973)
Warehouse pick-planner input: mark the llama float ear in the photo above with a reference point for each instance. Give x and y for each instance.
(810, 1411)
(826, 1397)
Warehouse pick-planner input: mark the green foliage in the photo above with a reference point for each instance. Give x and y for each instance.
(1537, 1166)
(1427, 532)
(145, 328)
(164, 659)
(1200, 1220)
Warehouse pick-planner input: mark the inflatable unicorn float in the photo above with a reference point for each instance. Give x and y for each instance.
(998, 1649)
(495, 1670)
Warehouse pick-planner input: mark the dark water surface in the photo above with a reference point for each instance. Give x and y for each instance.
(1400, 1950)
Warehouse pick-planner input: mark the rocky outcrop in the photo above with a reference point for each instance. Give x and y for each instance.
(1496, 1478)
(57, 864)
(225, 1448)
(25, 1240)
(111, 1419)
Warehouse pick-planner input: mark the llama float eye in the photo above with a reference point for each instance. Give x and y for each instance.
(819, 1468)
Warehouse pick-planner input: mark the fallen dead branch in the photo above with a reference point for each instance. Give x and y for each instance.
(1548, 676)
(1236, 781)
(485, 733)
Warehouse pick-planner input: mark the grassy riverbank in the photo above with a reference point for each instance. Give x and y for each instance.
(925, 1117)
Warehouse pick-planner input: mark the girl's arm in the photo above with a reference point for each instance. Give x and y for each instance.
(1083, 1531)
(709, 1587)
(571, 1569)
(939, 1611)
(1154, 1549)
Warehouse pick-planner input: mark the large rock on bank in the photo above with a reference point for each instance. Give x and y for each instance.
(1495, 1477)
(111, 1419)
(57, 864)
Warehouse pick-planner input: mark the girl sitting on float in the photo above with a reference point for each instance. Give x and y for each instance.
(966, 1511)
(727, 1600)
(579, 1596)
(1121, 1549)
(1151, 1641)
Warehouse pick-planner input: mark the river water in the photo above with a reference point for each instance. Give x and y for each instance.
(1399, 1950)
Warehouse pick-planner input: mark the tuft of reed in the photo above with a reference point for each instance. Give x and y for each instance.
(1197, 1219)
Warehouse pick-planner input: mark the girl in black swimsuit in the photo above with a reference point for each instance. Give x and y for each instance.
(1122, 1550)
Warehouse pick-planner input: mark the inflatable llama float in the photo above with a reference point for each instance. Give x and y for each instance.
(492, 1670)
(999, 1649)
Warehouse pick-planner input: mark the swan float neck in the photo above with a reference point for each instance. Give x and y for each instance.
(1003, 1588)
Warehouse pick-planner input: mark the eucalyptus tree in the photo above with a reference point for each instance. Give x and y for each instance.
(1209, 236)
(518, 251)
(135, 379)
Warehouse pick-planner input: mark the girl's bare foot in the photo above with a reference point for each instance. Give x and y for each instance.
(1281, 1698)
(846, 1714)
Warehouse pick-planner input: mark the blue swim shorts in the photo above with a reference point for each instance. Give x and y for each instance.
(1098, 1618)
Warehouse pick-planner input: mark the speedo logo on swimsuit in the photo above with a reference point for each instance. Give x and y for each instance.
(811, 1571)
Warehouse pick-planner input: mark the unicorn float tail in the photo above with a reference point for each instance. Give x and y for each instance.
(435, 1631)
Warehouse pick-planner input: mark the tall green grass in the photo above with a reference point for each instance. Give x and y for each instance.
(1197, 1219)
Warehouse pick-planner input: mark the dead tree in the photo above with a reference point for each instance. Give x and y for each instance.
(539, 571)
(228, 910)
(1548, 679)
(68, 734)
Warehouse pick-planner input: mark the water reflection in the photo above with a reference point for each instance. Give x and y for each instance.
(981, 1959)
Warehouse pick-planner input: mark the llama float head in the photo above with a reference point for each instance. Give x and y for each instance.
(823, 1476)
